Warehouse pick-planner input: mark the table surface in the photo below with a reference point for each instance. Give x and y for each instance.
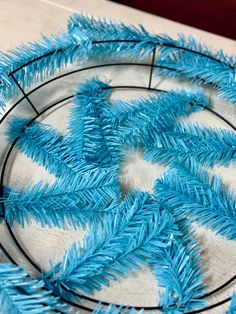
(23, 21)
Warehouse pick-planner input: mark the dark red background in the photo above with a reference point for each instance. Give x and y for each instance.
(215, 16)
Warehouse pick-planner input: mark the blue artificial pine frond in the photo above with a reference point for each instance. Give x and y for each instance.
(81, 28)
(187, 141)
(232, 308)
(114, 309)
(116, 246)
(69, 201)
(191, 192)
(111, 309)
(202, 66)
(178, 271)
(59, 51)
(45, 146)
(87, 38)
(84, 129)
(138, 121)
(183, 101)
(182, 56)
(19, 294)
(88, 135)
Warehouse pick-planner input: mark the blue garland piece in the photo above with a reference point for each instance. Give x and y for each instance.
(183, 101)
(178, 271)
(138, 121)
(201, 66)
(232, 308)
(82, 42)
(113, 309)
(100, 31)
(69, 201)
(116, 246)
(60, 50)
(186, 141)
(88, 134)
(184, 56)
(190, 191)
(19, 294)
(45, 146)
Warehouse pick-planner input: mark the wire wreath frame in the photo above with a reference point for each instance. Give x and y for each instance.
(149, 88)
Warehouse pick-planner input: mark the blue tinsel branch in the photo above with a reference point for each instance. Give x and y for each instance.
(116, 246)
(189, 190)
(20, 294)
(186, 141)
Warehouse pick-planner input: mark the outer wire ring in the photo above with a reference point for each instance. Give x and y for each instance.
(74, 293)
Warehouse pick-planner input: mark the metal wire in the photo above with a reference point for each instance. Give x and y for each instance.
(23, 251)
(149, 88)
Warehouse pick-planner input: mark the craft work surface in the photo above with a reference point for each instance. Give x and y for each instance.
(23, 21)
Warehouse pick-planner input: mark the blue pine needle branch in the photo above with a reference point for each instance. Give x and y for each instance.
(45, 146)
(116, 246)
(194, 61)
(113, 309)
(183, 56)
(85, 198)
(138, 42)
(19, 294)
(186, 141)
(89, 134)
(178, 270)
(183, 101)
(59, 51)
(138, 121)
(87, 38)
(232, 307)
(190, 191)
(136, 38)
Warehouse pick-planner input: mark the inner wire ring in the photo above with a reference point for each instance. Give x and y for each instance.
(72, 292)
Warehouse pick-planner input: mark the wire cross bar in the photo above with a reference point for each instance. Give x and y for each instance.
(151, 68)
(23, 92)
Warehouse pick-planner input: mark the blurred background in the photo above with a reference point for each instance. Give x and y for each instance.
(215, 16)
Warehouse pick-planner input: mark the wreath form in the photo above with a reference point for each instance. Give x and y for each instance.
(38, 114)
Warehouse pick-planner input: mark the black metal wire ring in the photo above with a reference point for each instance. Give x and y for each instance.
(152, 66)
(23, 251)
